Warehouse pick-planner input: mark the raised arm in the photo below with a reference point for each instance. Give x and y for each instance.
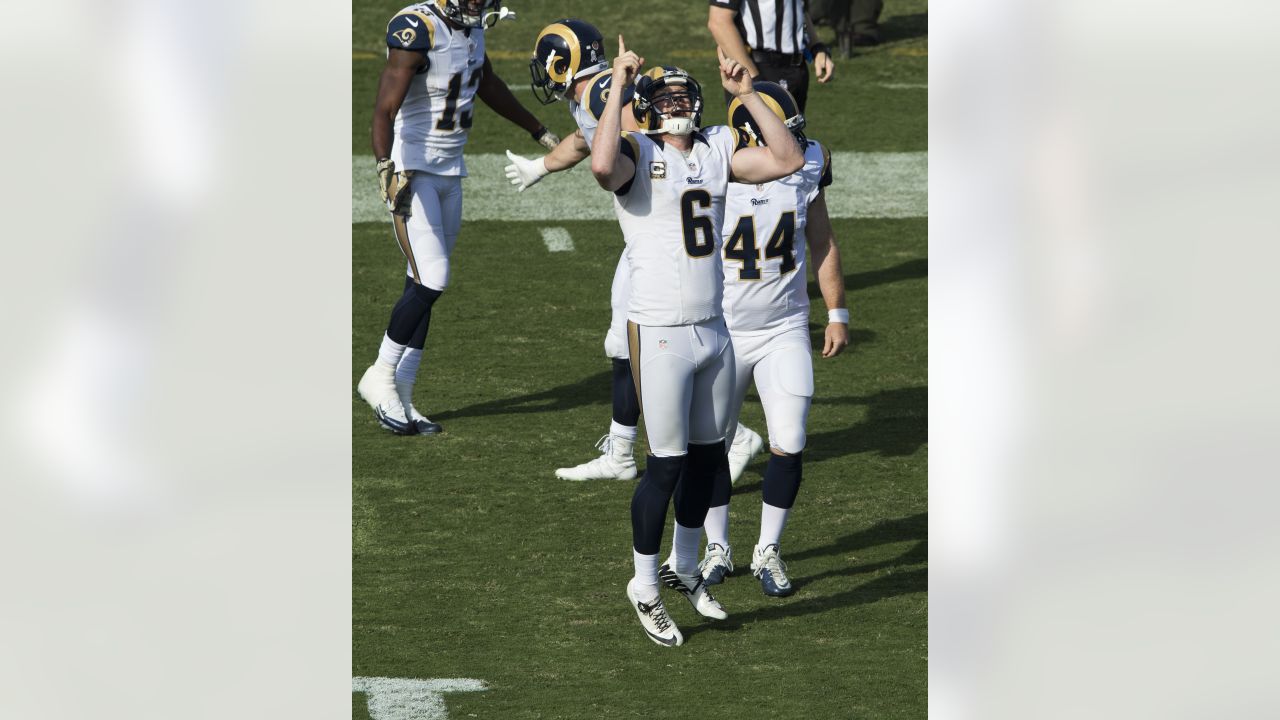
(495, 93)
(612, 169)
(781, 154)
(824, 256)
(724, 30)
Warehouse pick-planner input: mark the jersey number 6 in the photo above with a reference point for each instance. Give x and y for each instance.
(699, 232)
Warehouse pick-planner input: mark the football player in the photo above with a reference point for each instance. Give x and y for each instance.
(669, 190)
(568, 62)
(768, 227)
(436, 67)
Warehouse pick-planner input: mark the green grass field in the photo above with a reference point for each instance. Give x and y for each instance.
(472, 561)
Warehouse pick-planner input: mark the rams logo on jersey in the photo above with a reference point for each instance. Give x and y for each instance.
(406, 36)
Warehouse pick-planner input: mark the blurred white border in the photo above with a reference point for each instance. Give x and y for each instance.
(176, 504)
(1102, 360)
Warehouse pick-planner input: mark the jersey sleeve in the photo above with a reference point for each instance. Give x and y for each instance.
(411, 29)
(734, 5)
(598, 94)
(826, 167)
(630, 147)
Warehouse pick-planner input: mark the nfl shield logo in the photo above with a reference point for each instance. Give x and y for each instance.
(662, 344)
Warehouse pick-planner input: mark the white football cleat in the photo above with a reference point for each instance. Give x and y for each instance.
(694, 590)
(766, 564)
(657, 624)
(378, 388)
(716, 564)
(420, 423)
(615, 463)
(746, 444)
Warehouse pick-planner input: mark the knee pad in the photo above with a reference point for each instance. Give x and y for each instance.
(789, 440)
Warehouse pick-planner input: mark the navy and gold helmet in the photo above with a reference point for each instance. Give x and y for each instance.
(660, 93)
(471, 13)
(565, 51)
(777, 99)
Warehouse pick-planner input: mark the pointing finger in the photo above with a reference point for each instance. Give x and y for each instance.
(622, 46)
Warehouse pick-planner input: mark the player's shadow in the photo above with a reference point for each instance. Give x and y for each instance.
(900, 575)
(853, 282)
(897, 424)
(590, 390)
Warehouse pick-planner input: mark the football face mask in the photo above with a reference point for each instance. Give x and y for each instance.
(670, 101)
(475, 13)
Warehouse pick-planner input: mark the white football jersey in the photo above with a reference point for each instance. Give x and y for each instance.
(764, 254)
(670, 214)
(434, 119)
(587, 113)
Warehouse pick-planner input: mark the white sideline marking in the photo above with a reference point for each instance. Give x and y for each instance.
(867, 185)
(557, 239)
(905, 86)
(410, 698)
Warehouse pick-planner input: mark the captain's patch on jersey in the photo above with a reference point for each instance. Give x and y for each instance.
(658, 170)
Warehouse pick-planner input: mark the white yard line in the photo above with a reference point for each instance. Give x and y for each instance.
(557, 239)
(867, 185)
(410, 698)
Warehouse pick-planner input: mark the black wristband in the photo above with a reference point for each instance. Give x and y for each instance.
(819, 47)
(537, 134)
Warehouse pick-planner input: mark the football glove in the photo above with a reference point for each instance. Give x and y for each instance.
(547, 139)
(523, 172)
(393, 186)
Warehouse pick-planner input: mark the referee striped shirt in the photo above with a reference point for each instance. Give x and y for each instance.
(773, 25)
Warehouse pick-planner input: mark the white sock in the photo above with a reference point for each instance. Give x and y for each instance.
(772, 520)
(407, 370)
(685, 546)
(717, 525)
(389, 352)
(622, 431)
(646, 579)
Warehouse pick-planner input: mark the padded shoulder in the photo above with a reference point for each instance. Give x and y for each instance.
(597, 93)
(817, 164)
(413, 28)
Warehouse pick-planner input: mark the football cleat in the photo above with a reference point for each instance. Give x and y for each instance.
(717, 564)
(657, 624)
(747, 443)
(378, 388)
(694, 590)
(767, 565)
(423, 425)
(615, 462)
(417, 421)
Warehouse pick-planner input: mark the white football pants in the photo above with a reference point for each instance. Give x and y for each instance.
(684, 377)
(615, 341)
(433, 225)
(782, 366)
